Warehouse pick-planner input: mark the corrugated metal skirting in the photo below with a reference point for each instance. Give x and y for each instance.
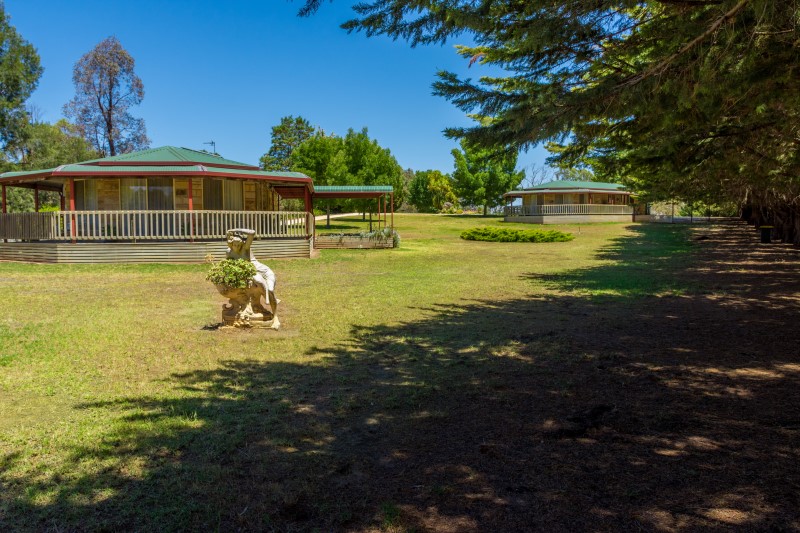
(145, 252)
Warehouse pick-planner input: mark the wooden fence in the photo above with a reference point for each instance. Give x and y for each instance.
(568, 209)
(150, 225)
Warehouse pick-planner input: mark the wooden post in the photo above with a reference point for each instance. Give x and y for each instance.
(73, 225)
(370, 216)
(310, 214)
(36, 197)
(5, 208)
(191, 208)
(391, 198)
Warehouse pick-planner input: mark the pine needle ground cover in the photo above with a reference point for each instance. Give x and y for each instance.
(632, 378)
(494, 234)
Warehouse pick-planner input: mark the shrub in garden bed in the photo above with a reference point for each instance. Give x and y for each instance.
(515, 235)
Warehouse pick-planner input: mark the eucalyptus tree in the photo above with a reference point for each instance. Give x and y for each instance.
(106, 87)
(431, 190)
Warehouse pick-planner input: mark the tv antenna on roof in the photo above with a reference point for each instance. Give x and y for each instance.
(213, 146)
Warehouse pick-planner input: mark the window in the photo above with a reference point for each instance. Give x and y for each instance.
(85, 195)
(133, 193)
(233, 195)
(159, 194)
(212, 194)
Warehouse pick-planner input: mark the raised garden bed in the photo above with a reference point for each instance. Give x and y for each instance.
(376, 239)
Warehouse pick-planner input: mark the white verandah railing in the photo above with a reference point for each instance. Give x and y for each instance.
(150, 225)
(568, 209)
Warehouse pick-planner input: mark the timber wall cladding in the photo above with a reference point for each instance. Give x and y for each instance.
(161, 252)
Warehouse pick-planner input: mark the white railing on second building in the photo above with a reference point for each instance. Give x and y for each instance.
(568, 209)
(151, 225)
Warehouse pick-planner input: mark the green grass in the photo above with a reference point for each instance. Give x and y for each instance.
(120, 411)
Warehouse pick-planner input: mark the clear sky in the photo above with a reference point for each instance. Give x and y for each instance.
(228, 70)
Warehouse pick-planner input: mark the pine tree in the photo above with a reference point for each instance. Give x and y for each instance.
(286, 136)
(694, 99)
(482, 175)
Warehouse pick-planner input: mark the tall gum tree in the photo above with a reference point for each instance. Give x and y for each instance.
(106, 87)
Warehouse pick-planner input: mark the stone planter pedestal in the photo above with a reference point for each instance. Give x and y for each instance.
(244, 308)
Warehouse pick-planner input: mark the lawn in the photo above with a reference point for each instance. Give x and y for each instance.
(445, 385)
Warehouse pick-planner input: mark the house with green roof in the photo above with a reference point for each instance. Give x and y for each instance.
(162, 204)
(566, 202)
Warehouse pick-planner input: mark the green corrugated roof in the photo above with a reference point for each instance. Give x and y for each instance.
(353, 188)
(18, 173)
(565, 184)
(166, 160)
(167, 154)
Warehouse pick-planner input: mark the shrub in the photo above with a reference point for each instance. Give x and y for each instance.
(515, 235)
(235, 273)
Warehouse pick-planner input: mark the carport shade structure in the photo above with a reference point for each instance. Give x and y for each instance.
(384, 194)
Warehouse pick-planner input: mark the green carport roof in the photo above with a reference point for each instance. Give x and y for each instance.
(352, 191)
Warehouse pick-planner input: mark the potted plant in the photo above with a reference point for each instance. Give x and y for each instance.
(233, 278)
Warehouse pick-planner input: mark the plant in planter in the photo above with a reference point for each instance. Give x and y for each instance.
(232, 273)
(235, 279)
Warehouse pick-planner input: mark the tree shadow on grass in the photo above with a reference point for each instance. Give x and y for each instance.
(648, 409)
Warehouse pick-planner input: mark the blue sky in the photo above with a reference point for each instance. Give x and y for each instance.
(227, 71)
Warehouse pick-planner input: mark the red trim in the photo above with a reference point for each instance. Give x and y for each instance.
(294, 193)
(191, 208)
(309, 203)
(72, 208)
